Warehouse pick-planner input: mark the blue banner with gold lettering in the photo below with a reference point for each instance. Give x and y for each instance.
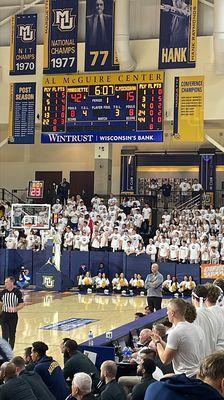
(100, 54)
(178, 34)
(23, 44)
(22, 113)
(60, 36)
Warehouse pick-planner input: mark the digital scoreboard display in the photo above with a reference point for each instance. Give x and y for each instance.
(35, 190)
(116, 107)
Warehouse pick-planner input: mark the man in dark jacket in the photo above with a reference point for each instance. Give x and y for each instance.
(37, 385)
(14, 388)
(112, 390)
(49, 370)
(209, 386)
(78, 362)
(146, 369)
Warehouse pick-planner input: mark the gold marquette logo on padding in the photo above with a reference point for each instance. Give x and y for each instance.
(26, 33)
(48, 281)
(64, 19)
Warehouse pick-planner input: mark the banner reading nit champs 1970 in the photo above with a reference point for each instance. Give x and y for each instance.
(100, 54)
(23, 44)
(60, 36)
(178, 34)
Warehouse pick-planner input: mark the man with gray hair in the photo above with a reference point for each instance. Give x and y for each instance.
(153, 284)
(81, 387)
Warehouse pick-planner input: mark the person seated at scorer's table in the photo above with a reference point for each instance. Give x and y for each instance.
(24, 278)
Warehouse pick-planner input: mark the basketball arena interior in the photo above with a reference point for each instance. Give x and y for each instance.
(111, 199)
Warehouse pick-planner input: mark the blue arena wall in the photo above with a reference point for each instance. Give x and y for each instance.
(12, 260)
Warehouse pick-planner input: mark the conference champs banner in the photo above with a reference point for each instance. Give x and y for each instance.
(22, 113)
(23, 44)
(189, 108)
(178, 34)
(60, 36)
(100, 54)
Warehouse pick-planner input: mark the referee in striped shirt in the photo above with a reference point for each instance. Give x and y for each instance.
(11, 301)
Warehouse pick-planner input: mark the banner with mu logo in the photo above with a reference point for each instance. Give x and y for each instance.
(60, 36)
(23, 44)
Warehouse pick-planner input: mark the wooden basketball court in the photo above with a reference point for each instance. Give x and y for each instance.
(44, 308)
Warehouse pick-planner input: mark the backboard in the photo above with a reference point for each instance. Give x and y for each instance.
(34, 216)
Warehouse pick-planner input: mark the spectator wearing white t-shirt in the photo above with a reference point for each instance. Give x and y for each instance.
(95, 240)
(151, 250)
(138, 220)
(76, 240)
(204, 251)
(185, 188)
(115, 238)
(11, 241)
(196, 188)
(129, 249)
(112, 201)
(147, 217)
(84, 242)
(183, 252)
(205, 319)
(57, 207)
(194, 251)
(163, 253)
(140, 249)
(173, 251)
(95, 201)
(68, 238)
(185, 346)
(214, 255)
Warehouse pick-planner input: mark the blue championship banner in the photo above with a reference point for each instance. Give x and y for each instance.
(60, 36)
(100, 53)
(178, 34)
(95, 108)
(22, 113)
(23, 44)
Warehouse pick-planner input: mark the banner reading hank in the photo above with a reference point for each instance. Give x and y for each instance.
(189, 108)
(212, 271)
(178, 33)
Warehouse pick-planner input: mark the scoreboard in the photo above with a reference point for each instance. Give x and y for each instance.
(116, 107)
(35, 190)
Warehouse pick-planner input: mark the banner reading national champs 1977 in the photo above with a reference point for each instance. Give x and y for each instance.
(23, 44)
(60, 36)
(100, 54)
(178, 34)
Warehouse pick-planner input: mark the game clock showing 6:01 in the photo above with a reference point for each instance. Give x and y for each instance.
(116, 107)
(35, 190)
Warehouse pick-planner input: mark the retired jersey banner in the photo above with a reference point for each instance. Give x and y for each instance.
(212, 271)
(22, 113)
(189, 108)
(23, 44)
(100, 53)
(60, 36)
(178, 33)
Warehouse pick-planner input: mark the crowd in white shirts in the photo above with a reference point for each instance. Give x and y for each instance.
(192, 236)
(105, 226)
(189, 236)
